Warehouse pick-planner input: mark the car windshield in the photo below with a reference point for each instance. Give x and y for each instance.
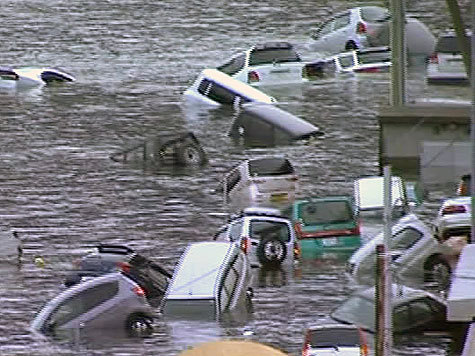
(273, 55)
(325, 212)
(334, 336)
(269, 230)
(374, 13)
(358, 311)
(270, 167)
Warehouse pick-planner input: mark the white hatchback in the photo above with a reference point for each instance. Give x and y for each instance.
(261, 182)
(272, 63)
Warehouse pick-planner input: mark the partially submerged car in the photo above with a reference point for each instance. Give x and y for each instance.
(109, 301)
(368, 60)
(27, 77)
(414, 310)
(152, 277)
(335, 340)
(266, 236)
(270, 63)
(267, 125)
(261, 182)
(214, 88)
(326, 224)
(210, 279)
(182, 149)
(416, 256)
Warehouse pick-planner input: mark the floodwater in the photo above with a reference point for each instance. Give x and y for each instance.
(133, 59)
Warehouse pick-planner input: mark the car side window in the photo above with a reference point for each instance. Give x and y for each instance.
(341, 21)
(203, 87)
(83, 302)
(221, 94)
(405, 239)
(326, 28)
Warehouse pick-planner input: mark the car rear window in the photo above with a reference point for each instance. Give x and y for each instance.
(270, 167)
(269, 230)
(325, 212)
(273, 55)
(448, 44)
(334, 336)
(374, 13)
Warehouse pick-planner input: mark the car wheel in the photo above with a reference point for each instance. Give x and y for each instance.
(271, 252)
(439, 274)
(190, 154)
(350, 46)
(139, 325)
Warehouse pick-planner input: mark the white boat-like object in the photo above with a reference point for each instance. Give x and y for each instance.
(26, 77)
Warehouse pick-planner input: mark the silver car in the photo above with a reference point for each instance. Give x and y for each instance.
(109, 301)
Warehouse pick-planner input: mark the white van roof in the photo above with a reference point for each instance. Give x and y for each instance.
(369, 192)
(237, 86)
(199, 268)
(461, 299)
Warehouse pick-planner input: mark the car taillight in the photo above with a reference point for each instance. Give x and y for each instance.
(245, 244)
(297, 251)
(433, 58)
(453, 209)
(306, 345)
(361, 28)
(364, 349)
(138, 291)
(124, 266)
(252, 77)
(357, 229)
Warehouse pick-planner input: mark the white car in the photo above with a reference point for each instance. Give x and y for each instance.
(272, 63)
(370, 60)
(454, 218)
(446, 64)
(261, 182)
(349, 30)
(27, 77)
(335, 340)
(216, 88)
(266, 236)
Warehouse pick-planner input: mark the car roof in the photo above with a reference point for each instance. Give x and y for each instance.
(369, 192)
(200, 265)
(236, 85)
(400, 294)
(294, 126)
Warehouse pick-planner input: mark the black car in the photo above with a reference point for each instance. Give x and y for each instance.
(152, 277)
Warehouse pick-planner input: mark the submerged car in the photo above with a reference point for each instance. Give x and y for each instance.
(210, 279)
(261, 182)
(266, 236)
(270, 63)
(152, 277)
(267, 125)
(182, 149)
(109, 301)
(416, 256)
(215, 88)
(368, 60)
(326, 224)
(27, 77)
(454, 218)
(446, 65)
(414, 310)
(335, 340)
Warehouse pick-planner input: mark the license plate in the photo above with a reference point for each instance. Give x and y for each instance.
(329, 241)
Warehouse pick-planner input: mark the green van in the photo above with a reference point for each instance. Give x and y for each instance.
(328, 224)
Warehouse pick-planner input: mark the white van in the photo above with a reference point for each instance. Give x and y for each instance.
(214, 88)
(261, 182)
(211, 278)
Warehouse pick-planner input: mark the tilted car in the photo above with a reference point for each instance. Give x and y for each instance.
(270, 63)
(27, 77)
(414, 310)
(266, 236)
(325, 224)
(112, 300)
(215, 88)
(210, 279)
(416, 256)
(152, 277)
(269, 180)
(453, 218)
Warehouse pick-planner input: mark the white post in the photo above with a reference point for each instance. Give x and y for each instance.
(387, 238)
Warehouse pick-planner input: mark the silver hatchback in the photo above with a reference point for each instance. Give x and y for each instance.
(109, 301)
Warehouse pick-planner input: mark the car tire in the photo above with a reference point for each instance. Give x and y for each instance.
(350, 46)
(271, 252)
(139, 325)
(438, 274)
(190, 154)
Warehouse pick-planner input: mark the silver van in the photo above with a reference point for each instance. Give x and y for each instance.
(211, 278)
(109, 301)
